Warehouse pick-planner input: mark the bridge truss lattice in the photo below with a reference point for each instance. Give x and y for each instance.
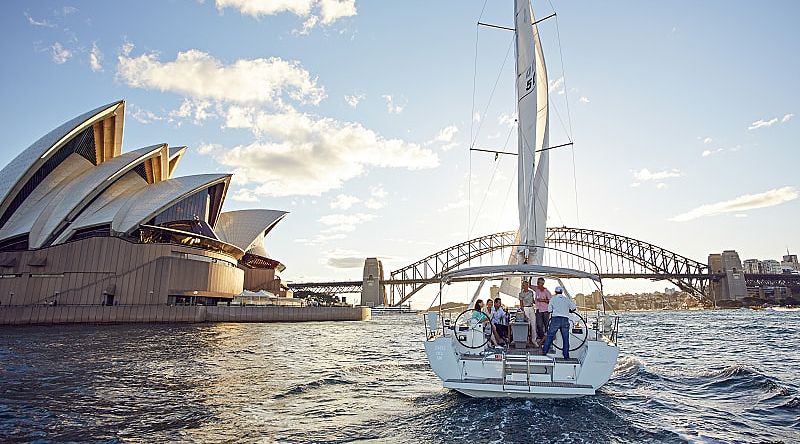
(616, 256)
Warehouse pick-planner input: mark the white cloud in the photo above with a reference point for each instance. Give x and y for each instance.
(196, 73)
(244, 195)
(307, 155)
(332, 10)
(584, 99)
(454, 205)
(707, 153)
(354, 99)
(762, 123)
(446, 134)
(745, 202)
(635, 184)
(740, 215)
(344, 202)
(377, 198)
(707, 140)
(258, 8)
(308, 25)
(507, 119)
(59, 53)
(445, 137)
(557, 85)
(198, 110)
(325, 12)
(142, 115)
(207, 148)
(344, 222)
(644, 174)
(321, 239)
(476, 116)
(661, 186)
(391, 107)
(43, 23)
(95, 58)
(126, 48)
(339, 258)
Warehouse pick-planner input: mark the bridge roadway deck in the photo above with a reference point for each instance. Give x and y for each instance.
(358, 284)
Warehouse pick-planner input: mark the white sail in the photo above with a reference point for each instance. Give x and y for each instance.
(532, 132)
(533, 128)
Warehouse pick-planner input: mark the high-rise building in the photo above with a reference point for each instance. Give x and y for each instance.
(752, 266)
(790, 262)
(771, 266)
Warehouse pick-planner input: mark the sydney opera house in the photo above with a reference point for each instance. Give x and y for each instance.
(83, 223)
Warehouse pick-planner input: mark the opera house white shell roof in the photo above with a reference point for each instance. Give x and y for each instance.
(75, 182)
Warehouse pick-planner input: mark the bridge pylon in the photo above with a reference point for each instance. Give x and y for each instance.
(373, 291)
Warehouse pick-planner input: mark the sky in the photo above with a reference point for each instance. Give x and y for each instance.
(356, 116)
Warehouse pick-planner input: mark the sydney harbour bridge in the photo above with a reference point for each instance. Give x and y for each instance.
(615, 256)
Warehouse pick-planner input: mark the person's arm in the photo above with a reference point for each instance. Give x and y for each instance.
(572, 305)
(550, 306)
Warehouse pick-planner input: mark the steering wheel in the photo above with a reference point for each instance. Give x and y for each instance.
(468, 324)
(583, 335)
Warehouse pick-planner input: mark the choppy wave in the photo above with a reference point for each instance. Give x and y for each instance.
(308, 386)
(677, 380)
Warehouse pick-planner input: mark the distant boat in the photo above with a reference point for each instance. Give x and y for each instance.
(458, 350)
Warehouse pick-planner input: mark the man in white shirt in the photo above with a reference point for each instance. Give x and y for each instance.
(560, 306)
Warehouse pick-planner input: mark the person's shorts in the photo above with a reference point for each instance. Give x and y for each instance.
(502, 330)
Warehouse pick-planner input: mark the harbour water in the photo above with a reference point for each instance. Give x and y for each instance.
(703, 376)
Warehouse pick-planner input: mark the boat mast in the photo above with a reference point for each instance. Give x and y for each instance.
(532, 134)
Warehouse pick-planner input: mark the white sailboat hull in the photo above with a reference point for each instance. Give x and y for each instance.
(513, 374)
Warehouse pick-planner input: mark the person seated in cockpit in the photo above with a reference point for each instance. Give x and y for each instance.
(482, 316)
(500, 321)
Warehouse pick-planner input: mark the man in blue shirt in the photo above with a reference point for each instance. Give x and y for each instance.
(560, 306)
(500, 321)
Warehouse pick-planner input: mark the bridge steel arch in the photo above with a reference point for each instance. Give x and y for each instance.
(445, 260)
(617, 256)
(622, 256)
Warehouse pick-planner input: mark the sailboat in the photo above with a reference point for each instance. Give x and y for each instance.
(459, 350)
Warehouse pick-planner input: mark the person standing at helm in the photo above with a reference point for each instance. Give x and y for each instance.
(526, 305)
(561, 306)
(543, 297)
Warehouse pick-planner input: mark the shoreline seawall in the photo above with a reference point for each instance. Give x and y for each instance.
(94, 314)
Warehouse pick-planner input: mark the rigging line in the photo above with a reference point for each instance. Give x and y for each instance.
(560, 120)
(472, 118)
(510, 181)
(491, 96)
(505, 201)
(569, 120)
(485, 194)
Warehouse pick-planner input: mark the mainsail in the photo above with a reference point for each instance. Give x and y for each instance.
(533, 131)
(532, 134)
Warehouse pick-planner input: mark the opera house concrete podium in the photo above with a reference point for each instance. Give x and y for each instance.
(89, 233)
